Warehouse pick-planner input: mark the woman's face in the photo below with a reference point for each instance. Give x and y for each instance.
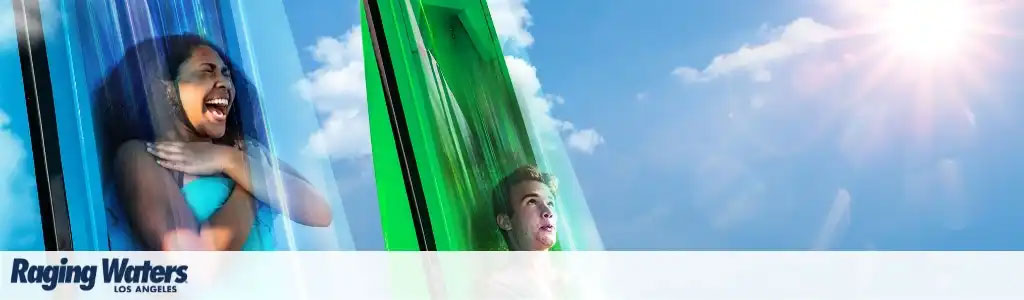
(206, 91)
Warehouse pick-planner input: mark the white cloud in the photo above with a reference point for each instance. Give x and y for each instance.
(7, 33)
(345, 134)
(11, 158)
(689, 74)
(12, 155)
(340, 81)
(15, 193)
(798, 37)
(511, 20)
(338, 90)
(528, 90)
(760, 75)
(838, 217)
(585, 140)
(338, 87)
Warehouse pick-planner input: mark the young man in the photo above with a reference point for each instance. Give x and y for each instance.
(524, 209)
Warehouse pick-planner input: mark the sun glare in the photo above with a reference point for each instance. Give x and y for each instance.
(929, 30)
(927, 61)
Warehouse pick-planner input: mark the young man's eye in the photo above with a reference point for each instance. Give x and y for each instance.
(531, 201)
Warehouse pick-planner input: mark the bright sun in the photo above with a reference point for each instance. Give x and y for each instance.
(928, 60)
(929, 30)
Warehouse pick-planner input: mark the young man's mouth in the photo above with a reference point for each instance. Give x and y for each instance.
(547, 228)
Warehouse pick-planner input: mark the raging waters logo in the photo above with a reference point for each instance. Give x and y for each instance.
(126, 277)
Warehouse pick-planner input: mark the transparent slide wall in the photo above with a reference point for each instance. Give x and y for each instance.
(127, 72)
(20, 225)
(445, 80)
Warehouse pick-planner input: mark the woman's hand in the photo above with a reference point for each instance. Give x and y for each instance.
(194, 158)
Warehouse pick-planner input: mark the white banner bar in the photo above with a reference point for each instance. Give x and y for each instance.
(512, 275)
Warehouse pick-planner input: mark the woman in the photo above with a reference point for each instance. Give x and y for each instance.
(180, 143)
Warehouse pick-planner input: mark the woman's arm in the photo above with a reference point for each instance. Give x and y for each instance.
(253, 172)
(305, 204)
(153, 202)
(161, 217)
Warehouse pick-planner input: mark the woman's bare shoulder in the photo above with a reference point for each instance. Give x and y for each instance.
(133, 154)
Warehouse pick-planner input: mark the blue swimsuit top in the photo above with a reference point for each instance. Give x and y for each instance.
(204, 196)
(208, 193)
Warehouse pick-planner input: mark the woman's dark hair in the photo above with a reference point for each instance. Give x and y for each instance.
(141, 90)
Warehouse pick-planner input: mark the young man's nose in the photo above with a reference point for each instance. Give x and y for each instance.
(547, 213)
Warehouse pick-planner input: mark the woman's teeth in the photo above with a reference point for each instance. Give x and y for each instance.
(218, 107)
(218, 101)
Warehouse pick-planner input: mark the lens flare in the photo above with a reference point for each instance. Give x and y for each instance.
(927, 30)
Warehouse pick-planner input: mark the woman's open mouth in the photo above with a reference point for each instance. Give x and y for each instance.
(217, 108)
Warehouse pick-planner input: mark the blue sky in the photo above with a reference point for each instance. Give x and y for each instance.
(20, 228)
(801, 141)
(332, 60)
(815, 146)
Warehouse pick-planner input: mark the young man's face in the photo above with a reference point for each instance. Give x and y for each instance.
(532, 224)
